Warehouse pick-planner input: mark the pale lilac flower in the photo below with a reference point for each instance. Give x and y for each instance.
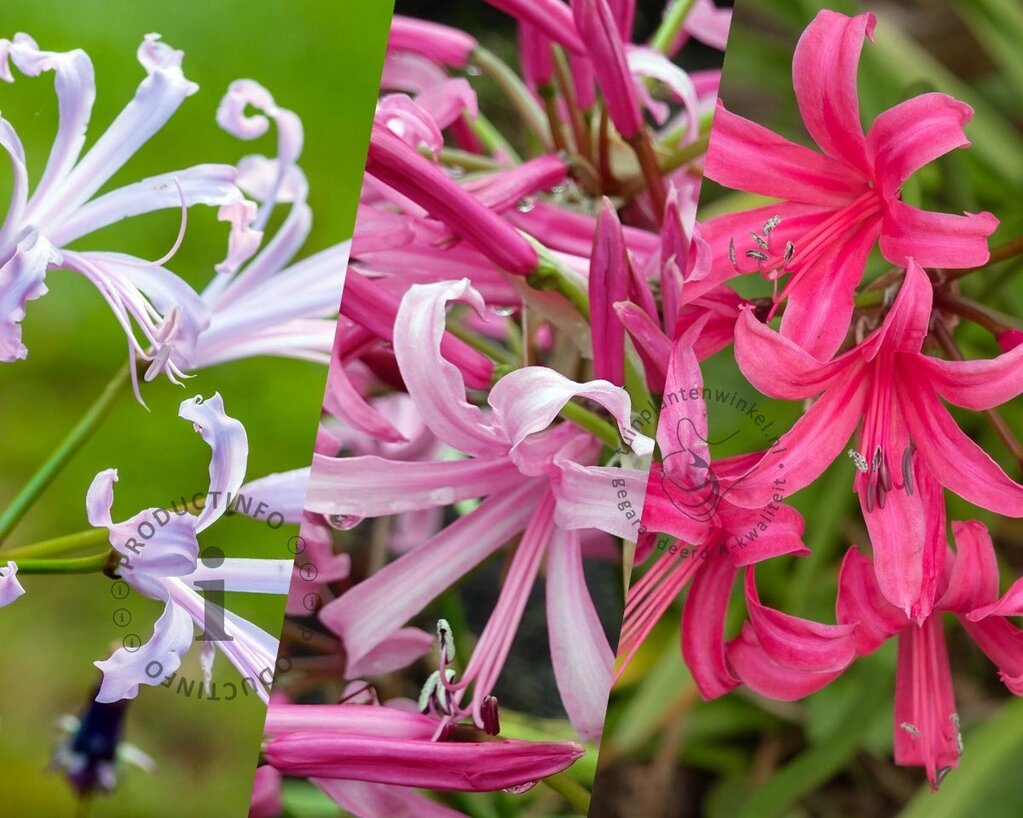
(39, 228)
(10, 588)
(159, 553)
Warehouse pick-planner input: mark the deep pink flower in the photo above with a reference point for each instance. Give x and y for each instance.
(835, 205)
(893, 391)
(437, 42)
(786, 657)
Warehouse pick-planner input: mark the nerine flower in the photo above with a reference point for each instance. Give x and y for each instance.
(786, 657)
(159, 553)
(893, 392)
(39, 229)
(835, 205)
(514, 459)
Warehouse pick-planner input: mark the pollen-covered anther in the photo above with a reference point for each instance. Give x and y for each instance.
(445, 640)
(491, 715)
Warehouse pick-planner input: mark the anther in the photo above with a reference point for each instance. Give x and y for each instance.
(446, 639)
(790, 251)
(770, 224)
(757, 254)
(913, 730)
(859, 460)
(760, 240)
(491, 716)
(731, 253)
(907, 470)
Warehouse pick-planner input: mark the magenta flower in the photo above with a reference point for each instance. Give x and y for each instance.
(687, 498)
(39, 228)
(786, 657)
(835, 205)
(893, 391)
(159, 552)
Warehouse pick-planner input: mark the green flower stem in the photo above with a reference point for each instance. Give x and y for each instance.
(685, 154)
(71, 565)
(455, 158)
(587, 420)
(67, 544)
(493, 140)
(671, 25)
(515, 90)
(551, 275)
(75, 439)
(571, 790)
(492, 350)
(649, 164)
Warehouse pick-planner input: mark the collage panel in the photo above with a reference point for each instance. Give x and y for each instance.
(823, 619)
(484, 446)
(172, 222)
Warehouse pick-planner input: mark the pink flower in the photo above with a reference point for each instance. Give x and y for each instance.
(10, 588)
(434, 41)
(38, 229)
(515, 462)
(785, 657)
(687, 498)
(835, 205)
(906, 435)
(603, 40)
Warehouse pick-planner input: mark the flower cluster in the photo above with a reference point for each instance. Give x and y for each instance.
(861, 353)
(484, 399)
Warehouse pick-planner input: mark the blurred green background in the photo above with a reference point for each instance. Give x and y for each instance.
(321, 59)
(670, 754)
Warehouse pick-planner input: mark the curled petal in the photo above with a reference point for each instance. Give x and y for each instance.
(703, 627)
(974, 580)
(976, 385)
(279, 496)
(22, 279)
(229, 447)
(758, 671)
(861, 603)
(10, 587)
(527, 401)
(150, 664)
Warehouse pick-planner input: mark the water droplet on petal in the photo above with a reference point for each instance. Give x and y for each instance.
(526, 204)
(559, 188)
(503, 310)
(343, 522)
(518, 789)
(473, 70)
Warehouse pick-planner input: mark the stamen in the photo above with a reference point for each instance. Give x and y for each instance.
(790, 251)
(757, 254)
(177, 242)
(429, 688)
(491, 715)
(913, 730)
(770, 224)
(907, 470)
(760, 240)
(446, 639)
(731, 253)
(871, 494)
(859, 460)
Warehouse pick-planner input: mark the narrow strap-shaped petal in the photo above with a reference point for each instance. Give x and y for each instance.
(381, 604)
(434, 41)
(266, 793)
(778, 366)
(797, 643)
(396, 652)
(436, 765)
(246, 576)
(125, 670)
(935, 239)
(926, 724)
(527, 400)
(974, 580)
(75, 84)
(364, 799)
(802, 454)
(913, 133)
(745, 156)
(552, 17)
(433, 382)
(608, 284)
(10, 587)
(709, 24)
(158, 97)
(905, 326)
(22, 279)
(957, 461)
(703, 627)
(373, 486)
(602, 497)
(279, 497)
(353, 719)
(599, 33)
(861, 603)
(760, 673)
(976, 385)
(11, 144)
(824, 70)
(229, 448)
(819, 309)
(653, 346)
(582, 657)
